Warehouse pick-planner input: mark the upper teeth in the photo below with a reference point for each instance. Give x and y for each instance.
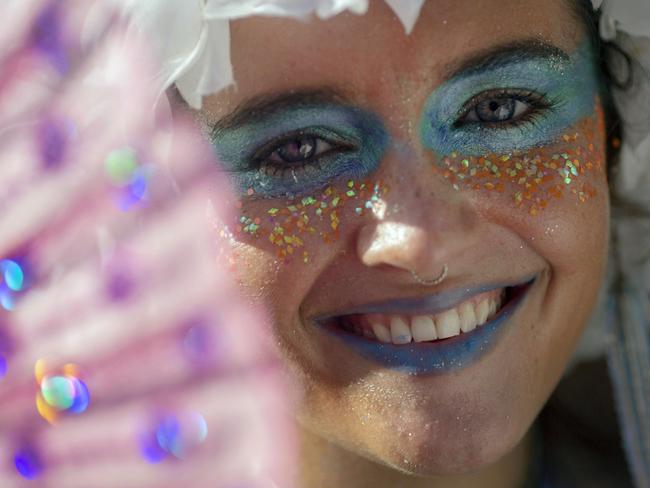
(402, 329)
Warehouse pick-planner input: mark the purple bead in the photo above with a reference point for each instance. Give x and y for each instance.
(52, 143)
(28, 463)
(3, 366)
(120, 286)
(81, 397)
(47, 36)
(150, 449)
(200, 341)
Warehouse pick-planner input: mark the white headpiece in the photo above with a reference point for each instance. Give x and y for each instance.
(192, 38)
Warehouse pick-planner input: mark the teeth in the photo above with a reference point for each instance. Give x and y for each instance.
(493, 308)
(381, 331)
(467, 317)
(423, 328)
(482, 312)
(448, 324)
(399, 330)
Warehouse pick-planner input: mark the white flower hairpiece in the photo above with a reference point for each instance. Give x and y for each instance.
(192, 37)
(627, 22)
(629, 16)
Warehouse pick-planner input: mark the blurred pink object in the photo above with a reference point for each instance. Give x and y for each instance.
(119, 315)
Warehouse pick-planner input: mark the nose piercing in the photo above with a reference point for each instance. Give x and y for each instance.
(433, 282)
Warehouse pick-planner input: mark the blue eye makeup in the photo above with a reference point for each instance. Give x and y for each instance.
(296, 150)
(512, 106)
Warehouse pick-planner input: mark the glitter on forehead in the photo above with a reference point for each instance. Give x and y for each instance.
(288, 226)
(534, 178)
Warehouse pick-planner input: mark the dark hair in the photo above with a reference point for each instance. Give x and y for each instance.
(609, 54)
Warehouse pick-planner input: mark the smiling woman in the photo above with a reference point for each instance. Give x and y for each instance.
(421, 203)
(426, 216)
(363, 155)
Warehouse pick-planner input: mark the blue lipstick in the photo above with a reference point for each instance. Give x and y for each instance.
(439, 356)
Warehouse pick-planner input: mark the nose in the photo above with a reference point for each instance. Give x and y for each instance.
(427, 227)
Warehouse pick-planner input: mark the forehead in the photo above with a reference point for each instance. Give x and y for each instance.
(370, 57)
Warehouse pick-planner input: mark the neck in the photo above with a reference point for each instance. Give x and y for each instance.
(323, 465)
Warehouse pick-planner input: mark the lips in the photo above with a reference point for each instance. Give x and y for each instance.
(400, 333)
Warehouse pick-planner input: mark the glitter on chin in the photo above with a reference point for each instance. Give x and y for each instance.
(287, 226)
(534, 178)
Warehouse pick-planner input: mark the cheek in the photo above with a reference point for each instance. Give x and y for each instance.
(534, 181)
(279, 246)
(554, 198)
(305, 230)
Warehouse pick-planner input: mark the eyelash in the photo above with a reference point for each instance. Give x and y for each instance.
(261, 158)
(538, 104)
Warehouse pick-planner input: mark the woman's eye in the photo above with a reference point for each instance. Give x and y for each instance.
(298, 150)
(502, 109)
(498, 110)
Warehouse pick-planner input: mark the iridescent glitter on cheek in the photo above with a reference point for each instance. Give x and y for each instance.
(535, 177)
(288, 226)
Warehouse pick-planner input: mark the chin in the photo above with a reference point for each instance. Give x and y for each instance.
(434, 454)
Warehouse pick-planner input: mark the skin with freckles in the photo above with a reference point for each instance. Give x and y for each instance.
(353, 111)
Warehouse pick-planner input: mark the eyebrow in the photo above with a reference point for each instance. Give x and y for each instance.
(503, 55)
(265, 105)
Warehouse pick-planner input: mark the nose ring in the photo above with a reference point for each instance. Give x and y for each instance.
(432, 282)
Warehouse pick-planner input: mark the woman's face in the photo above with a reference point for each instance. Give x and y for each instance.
(363, 155)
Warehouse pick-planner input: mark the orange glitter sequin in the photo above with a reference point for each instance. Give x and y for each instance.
(539, 175)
